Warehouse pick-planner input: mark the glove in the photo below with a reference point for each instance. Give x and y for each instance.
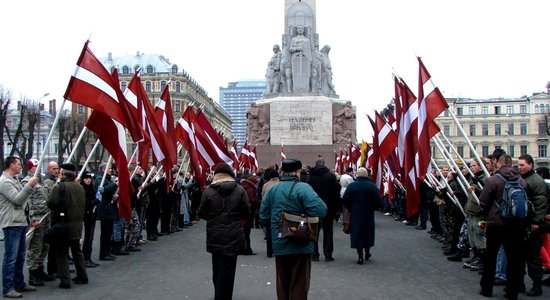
(98, 195)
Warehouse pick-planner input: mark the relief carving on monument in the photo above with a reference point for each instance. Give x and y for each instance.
(257, 124)
(344, 123)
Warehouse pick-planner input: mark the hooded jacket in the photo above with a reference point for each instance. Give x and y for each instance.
(224, 205)
(325, 184)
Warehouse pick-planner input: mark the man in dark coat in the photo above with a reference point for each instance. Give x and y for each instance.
(224, 205)
(508, 233)
(69, 198)
(362, 198)
(326, 185)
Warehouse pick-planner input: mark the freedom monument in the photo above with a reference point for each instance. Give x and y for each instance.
(300, 108)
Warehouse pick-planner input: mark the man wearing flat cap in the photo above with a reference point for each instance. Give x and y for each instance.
(67, 201)
(293, 261)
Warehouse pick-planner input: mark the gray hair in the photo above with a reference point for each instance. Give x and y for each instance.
(362, 172)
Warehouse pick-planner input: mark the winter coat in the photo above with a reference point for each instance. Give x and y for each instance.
(492, 194)
(75, 205)
(13, 196)
(250, 186)
(536, 193)
(362, 198)
(224, 205)
(38, 201)
(472, 207)
(326, 185)
(302, 200)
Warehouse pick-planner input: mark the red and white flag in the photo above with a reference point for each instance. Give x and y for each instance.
(431, 103)
(165, 117)
(234, 157)
(137, 97)
(216, 141)
(283, 155)
(186, 137)
(93, 86)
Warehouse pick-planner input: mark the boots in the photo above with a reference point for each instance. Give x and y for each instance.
(478, 265)
(459, 255)
(468, 263)
(360, 260)
(44, 275)
(35, 279)
(536, 290)
(117, 249)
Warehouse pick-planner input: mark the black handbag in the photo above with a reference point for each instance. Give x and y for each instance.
(58, 233)
(297, 228)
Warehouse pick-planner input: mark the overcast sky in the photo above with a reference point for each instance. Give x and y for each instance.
(473, 49)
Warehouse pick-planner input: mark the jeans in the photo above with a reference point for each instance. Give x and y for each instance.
(14, 258)
(502, 262)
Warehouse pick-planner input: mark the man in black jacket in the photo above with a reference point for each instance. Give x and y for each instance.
(326, 185)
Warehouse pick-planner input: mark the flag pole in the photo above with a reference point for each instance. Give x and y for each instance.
(146, 180)
(461, 130)
(88, 159)
(106, 167)
(78, 141)
(451, 196)
(54, 126)
(459, 173)
(460, 157)
(132, 157)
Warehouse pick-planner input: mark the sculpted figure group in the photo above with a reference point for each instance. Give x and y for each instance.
(299, 68)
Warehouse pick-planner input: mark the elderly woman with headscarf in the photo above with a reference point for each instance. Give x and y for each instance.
(362, 198)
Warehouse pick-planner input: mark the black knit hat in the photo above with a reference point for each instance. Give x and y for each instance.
(291, 165)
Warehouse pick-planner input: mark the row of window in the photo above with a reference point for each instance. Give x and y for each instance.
(542, 128)
(497, 110)
(542, 150)
(176, 107)
(148, 70)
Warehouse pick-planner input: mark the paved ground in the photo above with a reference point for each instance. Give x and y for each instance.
(406, 264)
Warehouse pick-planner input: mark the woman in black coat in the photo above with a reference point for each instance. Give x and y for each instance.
(362, 198)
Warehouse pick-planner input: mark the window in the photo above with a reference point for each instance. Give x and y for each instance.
(511, 151)
(136, 68)
(542, 129)
(472, 110)
(150, 69)
(162, 85)
(523, 109)
(542, 151)
(177, 106)
(446, 113)
(123, 86)
(148, 86)
(536, 108)
(80, 108)
(547, 108)
(485, 150)
(125, 70)
(497, 110)
(510, 109)
(472, 129)
(112, 69)
(459, 111)
(460, 150)
(510, 129)
(178, 87)
(498, 129)
(522, 149)
(484, 110)
(174, 69)
(498, 147)
(447, 129)
(523, 128)
(472, 151)
(484, 129)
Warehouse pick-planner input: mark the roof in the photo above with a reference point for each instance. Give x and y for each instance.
(159, 63)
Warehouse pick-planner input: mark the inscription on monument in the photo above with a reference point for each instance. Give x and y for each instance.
(303, 123)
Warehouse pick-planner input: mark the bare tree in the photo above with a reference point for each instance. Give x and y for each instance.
(67, 132)
(5, 99)
(32, 120)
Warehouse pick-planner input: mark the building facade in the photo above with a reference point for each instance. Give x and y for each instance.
(519, 126)
(156, 72)
(236, 99)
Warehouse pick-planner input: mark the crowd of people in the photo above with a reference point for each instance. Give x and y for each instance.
(465, 219)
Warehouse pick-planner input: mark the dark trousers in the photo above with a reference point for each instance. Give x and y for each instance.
(165, 217)
(247, 229)
(153, 213)
(511, 237)
(61, 254)
(293, 276)
(434, 217)
(223, 275)
(424, 213)
(89, 229)
(328, 243)
(105, 238)
(534, 262)
(268, 240)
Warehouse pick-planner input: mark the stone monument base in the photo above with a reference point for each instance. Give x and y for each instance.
(308, 154)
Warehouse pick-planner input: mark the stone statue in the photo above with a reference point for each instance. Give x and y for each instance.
(300, 48)
(340, 135)
(273, 72)
(344, 123)
(257, 124)
(286, 69)
(327, 88)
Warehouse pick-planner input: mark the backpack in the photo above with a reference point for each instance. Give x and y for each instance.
(514, 203)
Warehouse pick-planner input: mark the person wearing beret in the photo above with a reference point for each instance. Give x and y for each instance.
(73, 205)
(292, 260)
